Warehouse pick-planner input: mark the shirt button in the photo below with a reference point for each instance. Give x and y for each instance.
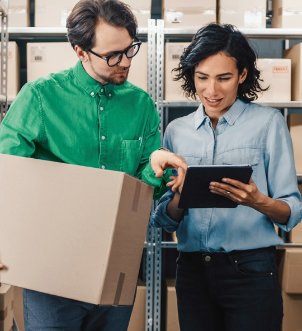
(103, 137)
(207, 258)
(102, 90)
(103, 167)
(92, 94)
(110, 95)
(101, 108)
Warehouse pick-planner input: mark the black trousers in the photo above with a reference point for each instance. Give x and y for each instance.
(236, 291)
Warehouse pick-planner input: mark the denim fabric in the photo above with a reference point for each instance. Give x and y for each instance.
(236, 291)
(246, 134)
(44, 312)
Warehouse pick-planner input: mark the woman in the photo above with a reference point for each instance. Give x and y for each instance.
(226, 271)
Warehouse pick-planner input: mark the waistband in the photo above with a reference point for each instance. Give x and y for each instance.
(220, 255)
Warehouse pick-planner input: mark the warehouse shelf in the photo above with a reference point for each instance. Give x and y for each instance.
(265, 33)
(47, 31)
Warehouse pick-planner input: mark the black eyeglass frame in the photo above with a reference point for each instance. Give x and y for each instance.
(107, 58)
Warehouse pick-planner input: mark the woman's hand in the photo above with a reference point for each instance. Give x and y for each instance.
(249, 195)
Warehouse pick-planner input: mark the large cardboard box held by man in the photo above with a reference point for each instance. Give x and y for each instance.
(72, 231)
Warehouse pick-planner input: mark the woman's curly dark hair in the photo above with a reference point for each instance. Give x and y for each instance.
(210, 40)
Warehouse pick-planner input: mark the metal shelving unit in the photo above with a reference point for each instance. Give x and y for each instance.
(4, 56)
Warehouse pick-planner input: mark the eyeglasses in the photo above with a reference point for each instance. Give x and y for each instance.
(116, 57)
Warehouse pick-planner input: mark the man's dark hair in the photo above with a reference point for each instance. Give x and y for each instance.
(213, 39)
(86, 14)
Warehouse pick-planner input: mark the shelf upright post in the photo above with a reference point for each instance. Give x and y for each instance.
(4, 57)
(149, 312)
(158, 231)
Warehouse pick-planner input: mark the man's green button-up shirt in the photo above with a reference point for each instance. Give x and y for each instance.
(70, 117)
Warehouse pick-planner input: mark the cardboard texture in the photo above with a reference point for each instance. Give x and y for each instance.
(52, 13)
(13, 76)
(243, 14)
(292, 307)
(173, 90)
(295, 128)
(137, 320)
(6, 307)
(188, 14)
(172, 313)
(18, 13)
(276, 74)
(48, 57)
(72, 226)
(295, 55)
(291, 270)
(286, 14)
(138, 73)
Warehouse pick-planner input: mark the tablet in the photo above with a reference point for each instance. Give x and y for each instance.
(196, 192)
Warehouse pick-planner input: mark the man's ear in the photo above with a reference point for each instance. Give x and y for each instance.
(81, 54)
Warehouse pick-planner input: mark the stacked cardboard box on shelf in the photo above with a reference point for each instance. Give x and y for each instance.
(60, 214)
(173, 90)
(18, 13)
(243, 14)
(52, 13)
(44, 58)
(188, 14)
(138, 320)
(172, 313)
(142, 11)
(291, 283)
(287, 14)
(276, 75)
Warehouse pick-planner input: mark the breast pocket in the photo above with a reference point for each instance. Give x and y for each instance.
(245, 155)
(131, 155)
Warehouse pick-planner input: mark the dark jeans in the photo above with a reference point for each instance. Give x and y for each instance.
(45, 312)
(236, 291)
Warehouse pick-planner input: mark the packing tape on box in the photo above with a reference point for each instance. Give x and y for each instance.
(136, 197)
(119, 288)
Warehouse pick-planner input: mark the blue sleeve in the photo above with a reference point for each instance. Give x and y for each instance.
(281, 172)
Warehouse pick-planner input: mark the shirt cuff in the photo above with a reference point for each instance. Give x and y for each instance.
(295, 215)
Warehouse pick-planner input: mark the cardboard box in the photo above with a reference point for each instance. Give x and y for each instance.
(18, 13)
(142, 11)
(292, 307)
(6, 307)
(173, 90)
(52, 13)
(172, 313)
(138, 319)
(188, 14)
(276, 73)
(138, 74)
(65, 226)
(295, 55)
(295, 128)
(13, 76)
(49, 57)
(243, 14)
(291, 270)
(287, 14)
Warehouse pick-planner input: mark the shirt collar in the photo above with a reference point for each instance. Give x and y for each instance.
(230, 116)
(89, 84)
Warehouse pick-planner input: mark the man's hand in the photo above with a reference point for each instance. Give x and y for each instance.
(162, 159)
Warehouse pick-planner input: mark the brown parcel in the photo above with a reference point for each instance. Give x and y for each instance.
(72, 231)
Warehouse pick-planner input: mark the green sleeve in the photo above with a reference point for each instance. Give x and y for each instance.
(21, 128)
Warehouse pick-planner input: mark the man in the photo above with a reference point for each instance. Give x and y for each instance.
(89, 115)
